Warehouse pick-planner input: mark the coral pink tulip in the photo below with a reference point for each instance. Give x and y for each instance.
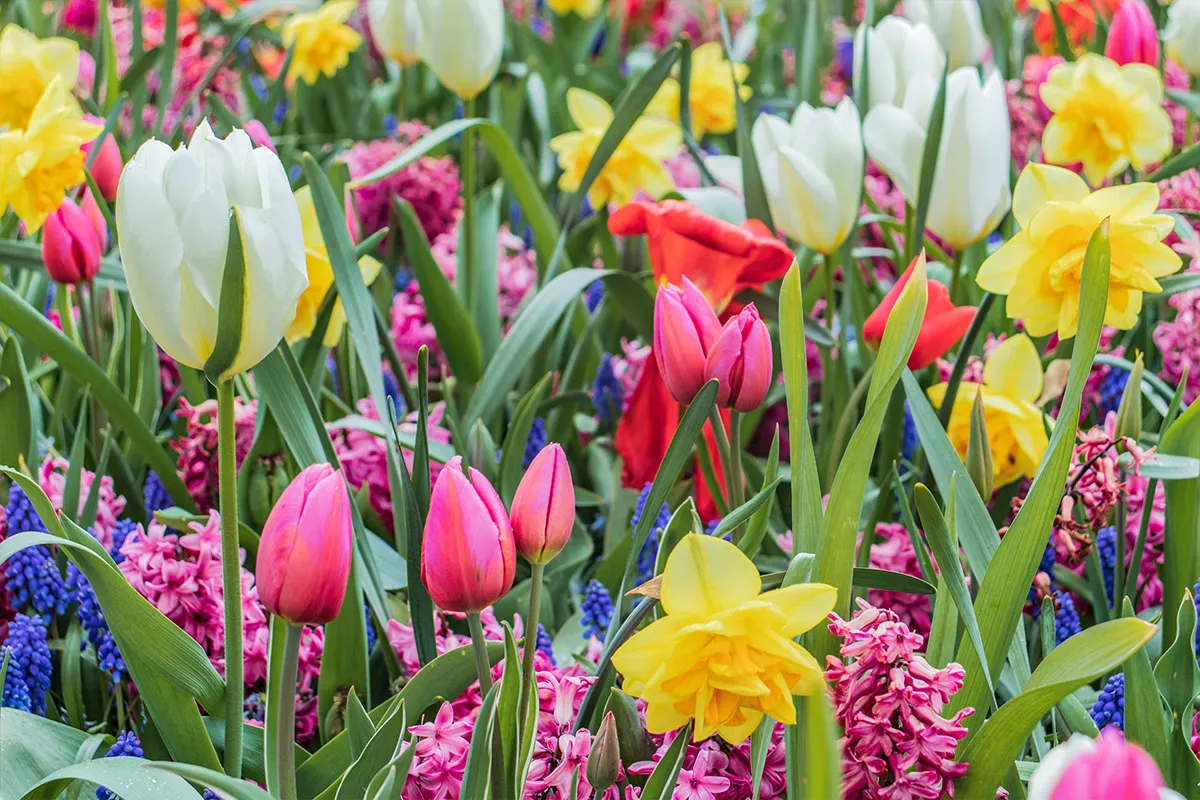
(944, 323)
(1132, 36)
(106, 169)
(304, 554)
(1106, 767)
(685, 327)
(543, 509)
(740, 360)
(468, 559)
(71, 245)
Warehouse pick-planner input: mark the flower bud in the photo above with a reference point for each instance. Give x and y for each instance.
(305, 550)
(979, 451)
(740, 360)
(468, 559)
(265, 484)
(1129, 413)
(543, 509)
(685, 327)
(71, 247)
(259, 135)
(461, 42)
(106, 169)
(481, 450)
(1132, 35)
(604, 762)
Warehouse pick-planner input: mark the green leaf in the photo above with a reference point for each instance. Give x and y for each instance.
(1005, 584)
(254, 747)
(747, 509)
(32, 747)
(1188, 159)
(1144, 712)
(753, 188)
(378, 752)
(1079, 660)
(455, 333)
(231, 316)
(512, 453)
(758, 523)
(1178, 678)
(805, 485)
(18, 407)
(358, 724)
(661, 783)
(839, 535)
(130, 778)
(477, 771)
(1183, 515)
(929, 159)
(822, 747)
(29, 323)
(889, 581)
(760, 745)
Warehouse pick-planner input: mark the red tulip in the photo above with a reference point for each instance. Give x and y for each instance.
(740, 360)
(718, 256)
(1132, 36)
(304, 554)
(469, 558)
(943, 326)
(71, 245)
(106, 169)
(543, 509)
(685, 327)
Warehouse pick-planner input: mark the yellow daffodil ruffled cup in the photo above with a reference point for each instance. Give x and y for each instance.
(723, 654)
(711, 101)
(1012, 382)
(637, 163)
(321, 41)
(1040, 267)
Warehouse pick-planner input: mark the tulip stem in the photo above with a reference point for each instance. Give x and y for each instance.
(466, 261)
(479, 644)
(714, 418)
(956, 268)
(531, 631)
(283, 697)
(735, 466)
(231, 579)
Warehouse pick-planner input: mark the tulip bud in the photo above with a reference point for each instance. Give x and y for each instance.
(396, 29)
(604, 763)
(979, 451)
(685, 327)
(461, 41)
(1132, 35)
(1182, 34)
(304, 554)
(71, 247)
(106, 169)
(259, 134)
(481, 450)
(543, 509)
(740, 360)
(1129, 413)
(91, 210)
(468, 559)
(265, 484)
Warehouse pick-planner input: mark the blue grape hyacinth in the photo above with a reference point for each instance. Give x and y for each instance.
(27, 679)
(1109, 708)
(597, 610)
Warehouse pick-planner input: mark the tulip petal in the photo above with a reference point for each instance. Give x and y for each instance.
(705, 575)
(1015, 369)
(895, 142)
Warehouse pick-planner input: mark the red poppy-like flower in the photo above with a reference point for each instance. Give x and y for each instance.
(943, 326)
(1078, 20)
(718, 256)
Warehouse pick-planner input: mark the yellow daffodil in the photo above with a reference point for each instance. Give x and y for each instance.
(584, 8)
(710, 92)
(1012, 381)
(27, 65)
(1040, 267)
(320, 278)
(1106, 116)
(636, 164)
(321, 41)
(38, 164)
(723, 654)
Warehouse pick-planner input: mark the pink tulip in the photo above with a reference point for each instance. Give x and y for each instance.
(685, 327)
(106, 169)
(740, 360)
(468, 559)
(71, 245)
(1132, 36)
(1107, 767)
(304, 554)
(543, 509)
(91, 210)
(258, 134)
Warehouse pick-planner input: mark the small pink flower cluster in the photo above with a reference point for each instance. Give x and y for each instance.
(714, 770)
(431, 185)
(1176, 77)
(889, 200)
(893, 551)
(364, 455)
(197, 447)
(52, 477)
(890, 702)
(1093, 389)
(627, 367)
(1149, 590)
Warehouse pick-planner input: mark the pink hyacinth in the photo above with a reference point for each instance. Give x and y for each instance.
(52, 477)
(890, 701)
(888, 199)
(1025, 138)
(197, 447)
(80, 16)
(364, 455)
(431, 185)
(627, 367)
(893, 551)
(1176, 77)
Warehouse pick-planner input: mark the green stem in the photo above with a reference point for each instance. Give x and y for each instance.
(714, 417)
(283, 717)
(964, 353)
(735, 467)
(479, 644)
(955, 270)
(531, 629)
(466, 261)
(231, 579)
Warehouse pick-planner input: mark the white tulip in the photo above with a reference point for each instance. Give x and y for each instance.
(1182, 34)
(970, 192)
(396, 29)
(174, 210)
(461, 41)
(957, 25)
(900, 53)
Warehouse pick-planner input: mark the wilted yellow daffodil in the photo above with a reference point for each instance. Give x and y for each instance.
(320, 278)
(27, 65)
(584, 8)
(710, 92)
(38, 164)
(321, 41)
(723, 654)
(1106, 116)
(1012, 381)
(636, 164)
(1040, 267)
